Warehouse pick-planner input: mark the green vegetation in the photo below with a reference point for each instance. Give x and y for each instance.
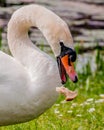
(86, 112)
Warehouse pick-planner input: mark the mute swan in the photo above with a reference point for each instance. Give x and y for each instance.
(28, 80)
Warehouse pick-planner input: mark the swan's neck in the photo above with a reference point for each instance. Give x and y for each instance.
(53, 28)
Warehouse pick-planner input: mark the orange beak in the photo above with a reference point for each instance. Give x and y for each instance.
(69, 68)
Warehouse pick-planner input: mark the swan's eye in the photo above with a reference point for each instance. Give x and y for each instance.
(72, 56)
(68, 51)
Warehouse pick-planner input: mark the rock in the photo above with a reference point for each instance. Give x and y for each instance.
(99, 17)
(83, 39)
(95, 24)
(3, 23)
(95, 33)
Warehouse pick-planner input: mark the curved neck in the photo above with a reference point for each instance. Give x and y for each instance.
(53, 28)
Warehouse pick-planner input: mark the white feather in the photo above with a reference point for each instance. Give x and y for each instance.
(28, 81)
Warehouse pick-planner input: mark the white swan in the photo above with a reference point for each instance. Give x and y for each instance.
(28, 81)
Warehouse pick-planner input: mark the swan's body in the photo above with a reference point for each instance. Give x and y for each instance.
(28, 81)
(22, 97)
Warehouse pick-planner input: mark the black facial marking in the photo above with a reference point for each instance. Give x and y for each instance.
(67, 51)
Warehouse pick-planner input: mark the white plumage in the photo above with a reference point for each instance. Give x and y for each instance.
(28, 80)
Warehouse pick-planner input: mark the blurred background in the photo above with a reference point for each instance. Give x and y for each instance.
(85, 19)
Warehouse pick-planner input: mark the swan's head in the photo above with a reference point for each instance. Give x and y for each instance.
(65, 63)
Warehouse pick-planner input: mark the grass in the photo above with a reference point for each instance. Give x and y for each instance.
(86, 112)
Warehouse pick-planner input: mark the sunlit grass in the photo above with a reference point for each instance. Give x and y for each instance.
(86, 112)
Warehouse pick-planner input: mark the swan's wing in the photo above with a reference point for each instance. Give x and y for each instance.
(14, 81)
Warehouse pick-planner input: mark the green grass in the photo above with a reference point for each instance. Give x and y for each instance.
(86, 112)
